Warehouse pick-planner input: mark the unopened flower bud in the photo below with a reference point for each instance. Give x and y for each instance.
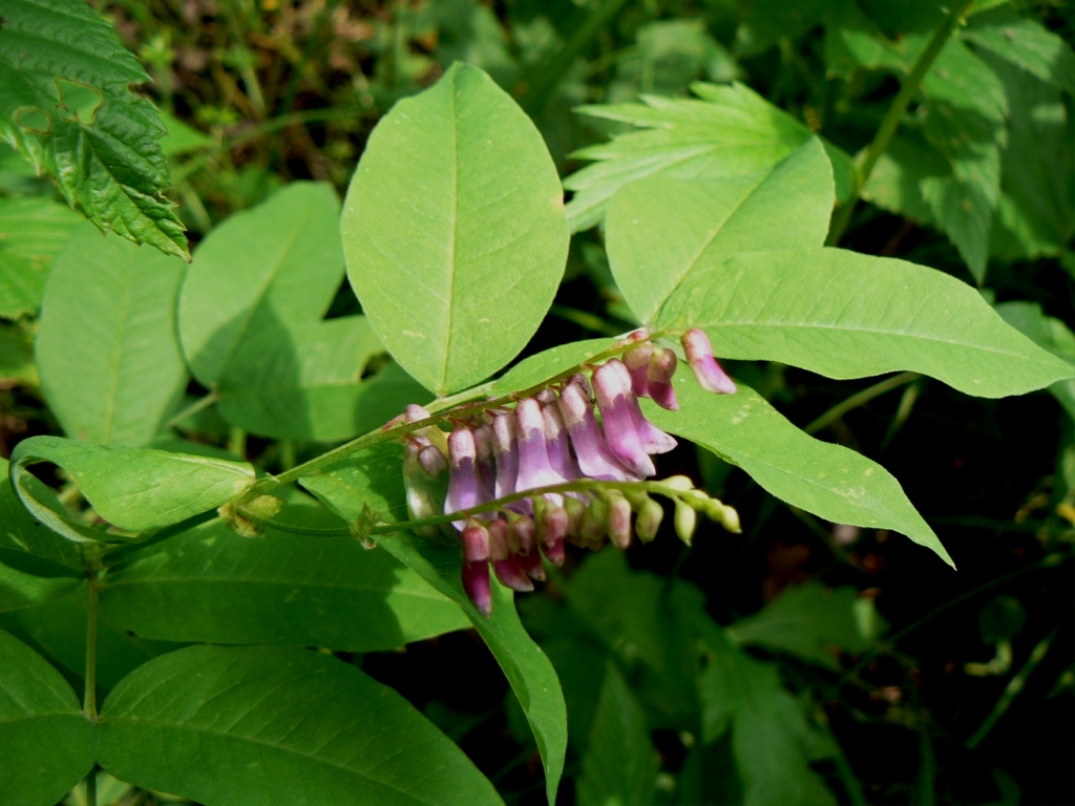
(505, 565)
(685, 520)
(706, 370)
(648, 520)
(659, 372)
(424, 484)
(619, 521)
(551, 530)
(476, 566)
(636, 361)
(594, 526)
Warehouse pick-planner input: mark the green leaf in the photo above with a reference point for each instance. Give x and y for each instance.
(1049, 333)
(133, 489)
(658, 230)
(32, 232)
(36, 564)
(260, 272)
(1024, 42)
(620, 765)
(107, 350)
(68, 106)
(373, 479)
(731, 131)
(48, 744)
(895, 184)
(209, 584)
(771, 739)
(17, 356)
(536, 369)
(57, 629)
(828, 480)
(281, 725)
(846, 315)
(307, 385)
(807, 620)
(454, 231)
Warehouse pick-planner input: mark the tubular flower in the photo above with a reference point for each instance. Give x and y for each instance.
(557, 437)
(705, 367)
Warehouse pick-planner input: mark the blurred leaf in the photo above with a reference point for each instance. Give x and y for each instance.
(771, 738)
(1025, 43)
(620, 765)
(846, 315)
(32, 232)
(766, 22)
(279, 724)
(670, 54)
(806, 620)
(471, 33)
(1049, 333)
(648, 626)
(68, 107)
(36, 564)
(107, 350)
(729, 131)
(373, 480)
(659, 230)
(454, 231)
(17, 356)
(209, 584)
(895, 184)
(133, 489)
(828, 480)
(1036, 216)
(181, 138)
(48, 744)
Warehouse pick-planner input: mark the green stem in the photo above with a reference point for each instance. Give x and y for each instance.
(89, 696)
(443, 409)
(860, 399)
(896, 112)
(192, 409)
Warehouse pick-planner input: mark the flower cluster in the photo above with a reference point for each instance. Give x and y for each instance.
(554, 438)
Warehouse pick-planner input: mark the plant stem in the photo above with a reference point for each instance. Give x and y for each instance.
(860, 399)
(192, 409)
(89, 696)
(896, 112)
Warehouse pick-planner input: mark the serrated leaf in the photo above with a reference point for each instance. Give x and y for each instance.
(134, 489)
(32, 232)
(806, 620)
(48, 744)
(69, 108)
(658, 230)
(36, 564)
(282, 725)
(769, 732)
(107, 350)
(730, 131)
(210, 584)
(1024, 42)
(454, 231)
(373, 479)
(846, 315)
(620, 765)
(830, 481)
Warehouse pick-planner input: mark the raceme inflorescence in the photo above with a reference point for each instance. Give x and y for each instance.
(587, 478)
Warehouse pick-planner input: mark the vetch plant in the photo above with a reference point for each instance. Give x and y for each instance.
(466, 475)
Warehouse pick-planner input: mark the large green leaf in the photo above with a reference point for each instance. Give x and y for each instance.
(828, 480)
(32, 232)
(68, 106)
(133, 489)
(48, 744)
(846, 315)
(36, 564)
(107, 349)
(620, 765)
(209, 584)
(1049, 333)
(454, 231)
(1024, 42)
(372, 480)
(771, 740)
(658, 230)
(536, 369)
(732, 130)
(281, 726)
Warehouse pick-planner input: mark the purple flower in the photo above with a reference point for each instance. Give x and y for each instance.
(476, 566)
(505, 449)
(522, 538)
(705, 367)
(551, 523)
(558, 444)
(622, 418)
(505, 565)
(595, 459)
(483, 447)
(659, 372)
(636, 361)
(534, 467)
(464, 491)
